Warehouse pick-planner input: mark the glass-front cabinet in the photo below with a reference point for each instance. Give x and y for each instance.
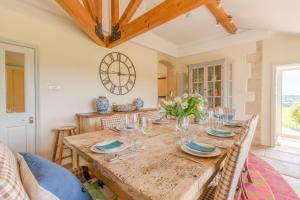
(212, 80)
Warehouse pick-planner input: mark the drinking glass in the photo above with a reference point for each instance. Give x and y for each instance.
(144, 124)
(210, 118)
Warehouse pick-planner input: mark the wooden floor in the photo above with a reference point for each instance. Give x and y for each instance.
(286, 159)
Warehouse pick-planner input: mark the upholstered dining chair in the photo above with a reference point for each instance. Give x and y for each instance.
(112, 121)
(226, 187)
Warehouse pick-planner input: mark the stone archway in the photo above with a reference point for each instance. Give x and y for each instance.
(171, 76)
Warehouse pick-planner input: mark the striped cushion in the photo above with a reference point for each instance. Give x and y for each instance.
(112, 121)
(259, 188)
(11, 187)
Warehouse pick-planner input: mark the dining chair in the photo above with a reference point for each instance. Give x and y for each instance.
(151, 115)
(227, 187)
(113, 121)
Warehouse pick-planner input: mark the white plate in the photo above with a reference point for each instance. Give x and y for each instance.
(129, 129)
(160, 121)
(217, 152)
(220, 135)
(202, 152)
(233, 123)
(114, 150)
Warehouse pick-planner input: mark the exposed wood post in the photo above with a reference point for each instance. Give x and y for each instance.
(98, 10)
(165, 11)
(114, 12)
(89, 5)
(131, 8)
(221, 16)
(76, 10)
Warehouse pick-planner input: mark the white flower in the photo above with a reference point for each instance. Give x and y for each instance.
(199, 107)
(164, 102)
(184, 105)
(185, 95)
(178, 100)
(169, 103)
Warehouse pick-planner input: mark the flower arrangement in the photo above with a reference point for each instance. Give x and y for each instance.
(193, 105)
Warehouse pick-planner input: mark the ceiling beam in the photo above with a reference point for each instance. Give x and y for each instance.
(89, 5)
(131, 8)
(98, 10)
(80, 15)
(114, 12)
(165, 11)
(217, 10)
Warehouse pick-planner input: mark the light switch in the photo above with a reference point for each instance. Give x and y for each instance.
(54, 87)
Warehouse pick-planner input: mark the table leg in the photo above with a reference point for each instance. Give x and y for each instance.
(75, 159)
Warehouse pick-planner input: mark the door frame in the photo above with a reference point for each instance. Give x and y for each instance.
(276, 87)
(35, 48)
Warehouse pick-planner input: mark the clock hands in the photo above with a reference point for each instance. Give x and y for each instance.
(118, 73)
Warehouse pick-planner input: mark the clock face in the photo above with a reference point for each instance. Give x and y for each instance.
(117, 73)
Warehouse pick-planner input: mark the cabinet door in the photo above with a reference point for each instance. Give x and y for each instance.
(214, 85)
(197, 80)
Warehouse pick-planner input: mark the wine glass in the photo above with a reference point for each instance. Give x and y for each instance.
(144, 124)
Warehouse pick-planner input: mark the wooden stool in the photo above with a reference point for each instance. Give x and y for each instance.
(60, 133)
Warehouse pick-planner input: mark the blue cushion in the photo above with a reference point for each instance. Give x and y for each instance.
(56, 179)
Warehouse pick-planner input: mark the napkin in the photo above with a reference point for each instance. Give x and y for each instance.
(198, 147)
(112, 145)
(233, 123)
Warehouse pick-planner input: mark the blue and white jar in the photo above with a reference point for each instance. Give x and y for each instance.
(139, 103)
(102, 104)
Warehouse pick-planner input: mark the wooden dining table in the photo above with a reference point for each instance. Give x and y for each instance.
(157, 169)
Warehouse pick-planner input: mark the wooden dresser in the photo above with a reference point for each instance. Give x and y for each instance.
(89, 122)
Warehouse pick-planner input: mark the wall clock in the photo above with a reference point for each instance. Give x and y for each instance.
(117, 73)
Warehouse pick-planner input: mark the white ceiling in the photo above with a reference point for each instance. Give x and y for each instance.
(200, 25)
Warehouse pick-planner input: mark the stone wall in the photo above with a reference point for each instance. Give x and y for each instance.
(254, 86)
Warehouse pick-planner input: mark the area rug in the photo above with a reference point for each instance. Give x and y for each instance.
(281, 189)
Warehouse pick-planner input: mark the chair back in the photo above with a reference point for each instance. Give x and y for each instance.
(151, 115)
(114, 121)
(234, 163)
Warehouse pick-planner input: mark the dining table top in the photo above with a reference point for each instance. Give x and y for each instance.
(158, 169)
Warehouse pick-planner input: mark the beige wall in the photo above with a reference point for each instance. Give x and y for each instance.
(280, 49)
(69, 59)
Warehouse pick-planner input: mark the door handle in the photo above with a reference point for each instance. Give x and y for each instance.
(30, 120)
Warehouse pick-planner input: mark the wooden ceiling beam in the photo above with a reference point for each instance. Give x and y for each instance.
(217, 10)
(98, 10)
(131, 8)
(89, 5)
(76, 10)
(165, 11)
(114, 12)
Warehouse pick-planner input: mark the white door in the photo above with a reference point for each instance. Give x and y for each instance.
(17, 97)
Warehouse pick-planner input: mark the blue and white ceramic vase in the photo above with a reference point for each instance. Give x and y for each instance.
(102, 104)
(139, 103)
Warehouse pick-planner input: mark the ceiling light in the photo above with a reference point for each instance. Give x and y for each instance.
(189, 14)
